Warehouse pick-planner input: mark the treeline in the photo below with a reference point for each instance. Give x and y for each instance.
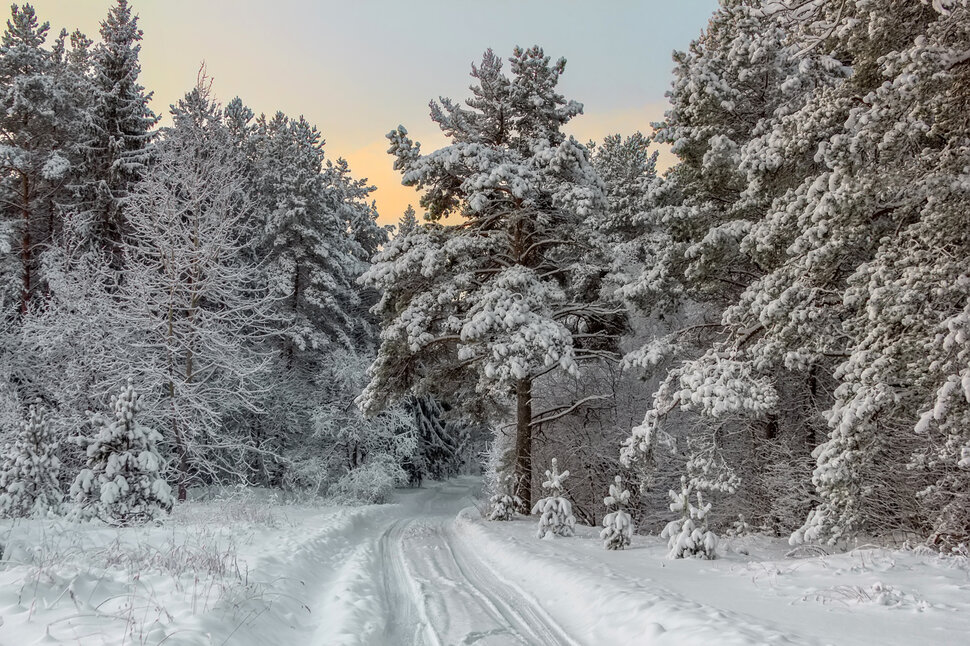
(794, 291)
(211, 263)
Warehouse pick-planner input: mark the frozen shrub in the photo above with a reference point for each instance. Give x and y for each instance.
(504, 503)
(617, 525)
(371, 482)
(29, 471)
(688, 536)
(555, 512)
(122, 483)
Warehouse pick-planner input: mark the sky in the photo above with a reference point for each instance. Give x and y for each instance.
(358, 68)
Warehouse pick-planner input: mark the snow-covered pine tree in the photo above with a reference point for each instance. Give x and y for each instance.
(315, 233)
(440, 441)
(504, 503)
(736, 88)
(309, 254)
(482, 308)
(617, 524)
(629, 172)
(688, 536)
(122, 483)
(29, 471)
(118, 132)
(38, 125)
(555, 511)
(883, 230)
(363, 236)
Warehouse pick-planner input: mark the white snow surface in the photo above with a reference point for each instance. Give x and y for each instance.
(427, 570)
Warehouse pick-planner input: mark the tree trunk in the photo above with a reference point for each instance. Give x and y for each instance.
(523, 443)
(25, 250)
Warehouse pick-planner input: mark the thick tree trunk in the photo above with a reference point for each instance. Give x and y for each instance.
(523, 443)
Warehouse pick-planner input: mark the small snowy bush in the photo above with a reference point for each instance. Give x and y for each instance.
(504, 503)
(617, 525)
(122, 484)
(371, 482)
(688, 536)
(740, 527)
(555, 512)
(28, 473)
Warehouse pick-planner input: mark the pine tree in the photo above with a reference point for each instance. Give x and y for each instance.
(29, 471)
(483, 308)
(738, 88)
(688, 536)
(629, 173)
(883, 228)
(312, 266)
(440, 441)
(504, 502)
(122, 482)
(617, 524)
(38, 123)
(555, 511)
(119, 133)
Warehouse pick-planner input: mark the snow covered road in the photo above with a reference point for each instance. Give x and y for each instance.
(435, 580)
(441, 576)
(433, 588)
(427, 571)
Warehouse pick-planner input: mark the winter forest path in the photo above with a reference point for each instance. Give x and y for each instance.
(430, 588)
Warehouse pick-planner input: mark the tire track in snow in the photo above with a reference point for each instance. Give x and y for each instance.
(520, 610)
(432, 580)
(402, 596)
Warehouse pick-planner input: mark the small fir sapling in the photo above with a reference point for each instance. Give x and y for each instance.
(504, 503)
(122, 484)
(618, 524)
(29, 471)
(740, 527)
(555, 511)
(688, 536)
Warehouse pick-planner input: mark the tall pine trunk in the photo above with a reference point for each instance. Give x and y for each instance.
(25, 244)
(523, 443)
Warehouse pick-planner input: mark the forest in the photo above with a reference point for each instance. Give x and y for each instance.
(772, 336)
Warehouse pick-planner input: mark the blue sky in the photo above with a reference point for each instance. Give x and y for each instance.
(358, 68)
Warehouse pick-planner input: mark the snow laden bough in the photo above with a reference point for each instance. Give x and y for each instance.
(122, 484)
(555, 511)
(688, 536)
(618, 524)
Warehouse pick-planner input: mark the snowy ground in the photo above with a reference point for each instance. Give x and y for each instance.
(426, 570)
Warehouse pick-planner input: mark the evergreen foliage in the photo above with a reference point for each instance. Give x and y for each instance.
(122, 483)
(618, 524)
(504, 503)
(530, 294)
(29, 472)
(689, 536)
(555, 511)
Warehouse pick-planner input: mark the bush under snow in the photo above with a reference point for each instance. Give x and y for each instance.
(555, 512)
(503, 504)
(688, 536)
(122, 483)
(618, 524)
(28, 473)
